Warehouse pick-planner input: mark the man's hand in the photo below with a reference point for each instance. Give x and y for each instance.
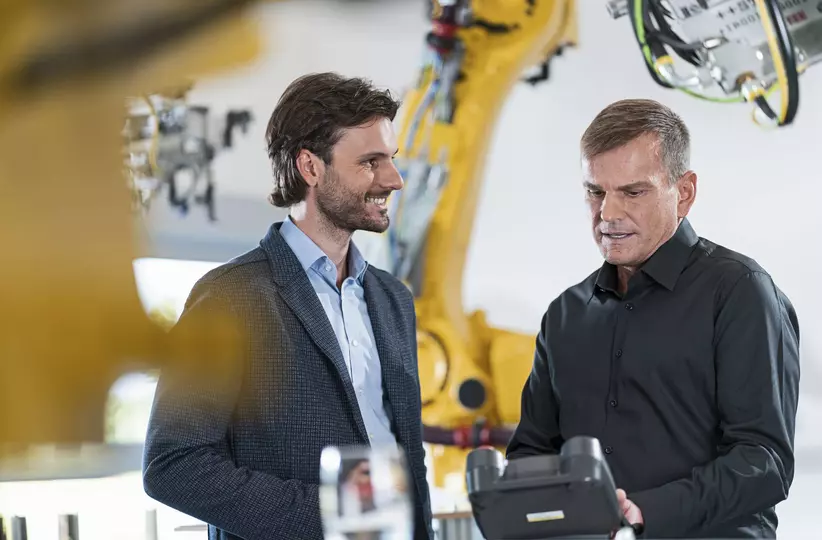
(632, 512)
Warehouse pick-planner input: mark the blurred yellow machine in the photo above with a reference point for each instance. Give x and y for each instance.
(72, 323)
(71, 320)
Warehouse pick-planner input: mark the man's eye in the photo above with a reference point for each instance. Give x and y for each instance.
(594, 193)
(634, 193)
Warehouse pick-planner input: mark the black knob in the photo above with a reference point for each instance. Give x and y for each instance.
(582, 446)
(483, 467)
(472, 394)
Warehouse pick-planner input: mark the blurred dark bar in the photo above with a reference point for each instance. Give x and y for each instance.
(19, 531)
(69, 528)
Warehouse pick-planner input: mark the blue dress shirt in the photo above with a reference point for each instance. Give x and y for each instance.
(348, 314)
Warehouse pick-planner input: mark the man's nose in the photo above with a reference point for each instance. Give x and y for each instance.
(611, 209)
(393, 178)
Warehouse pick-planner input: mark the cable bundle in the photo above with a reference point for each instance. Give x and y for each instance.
(649, 20)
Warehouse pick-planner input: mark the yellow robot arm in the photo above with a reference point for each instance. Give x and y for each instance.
(468, 372)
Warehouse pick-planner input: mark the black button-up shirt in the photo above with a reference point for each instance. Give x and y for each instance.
(690, 381)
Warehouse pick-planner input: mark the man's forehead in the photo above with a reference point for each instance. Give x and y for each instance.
(608, 178)
(621, 163)
(375, 136)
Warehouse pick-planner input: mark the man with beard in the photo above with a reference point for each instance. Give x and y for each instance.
(329, 356)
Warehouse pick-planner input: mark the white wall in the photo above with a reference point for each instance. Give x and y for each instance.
(757, 190)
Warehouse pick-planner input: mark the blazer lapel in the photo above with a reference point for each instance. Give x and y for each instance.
(394, 356)
(297, 291)
(392, 352)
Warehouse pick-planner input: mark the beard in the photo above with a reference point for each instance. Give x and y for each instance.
(347, 210)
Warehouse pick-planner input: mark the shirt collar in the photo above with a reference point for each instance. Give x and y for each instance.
(667, 264)
(664, 266)
(357, 264)
(311, 256)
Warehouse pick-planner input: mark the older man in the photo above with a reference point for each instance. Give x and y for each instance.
(680, 355)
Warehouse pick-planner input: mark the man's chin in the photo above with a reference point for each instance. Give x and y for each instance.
(367, 224)
(376, 225)
(370, 227)
(376, 228)
(616, 258)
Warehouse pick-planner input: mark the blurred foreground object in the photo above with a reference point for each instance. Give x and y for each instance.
(365, 495)
(167, 139)
(72, 322)
(747, 49)
(471, 375)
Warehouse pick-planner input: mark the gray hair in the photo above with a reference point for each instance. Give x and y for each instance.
(623, 121)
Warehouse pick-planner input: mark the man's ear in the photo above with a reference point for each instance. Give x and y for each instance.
(686, 187)
(310, 166)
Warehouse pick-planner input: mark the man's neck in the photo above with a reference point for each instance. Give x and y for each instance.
(330, 239)
(624, 274)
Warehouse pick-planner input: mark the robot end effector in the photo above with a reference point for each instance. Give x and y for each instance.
(749, 48)
(165, 136)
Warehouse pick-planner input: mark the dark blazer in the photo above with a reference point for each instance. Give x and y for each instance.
(241, 451)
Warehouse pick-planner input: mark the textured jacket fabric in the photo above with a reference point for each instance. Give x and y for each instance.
(239, 446)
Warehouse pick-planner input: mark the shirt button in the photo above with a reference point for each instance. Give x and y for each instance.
(327, 267)
(629, 307)
(613, 403)
(354, 342)
(619, 353)
(608, 449)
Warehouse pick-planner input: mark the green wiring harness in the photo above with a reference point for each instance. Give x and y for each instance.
(652, 44)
